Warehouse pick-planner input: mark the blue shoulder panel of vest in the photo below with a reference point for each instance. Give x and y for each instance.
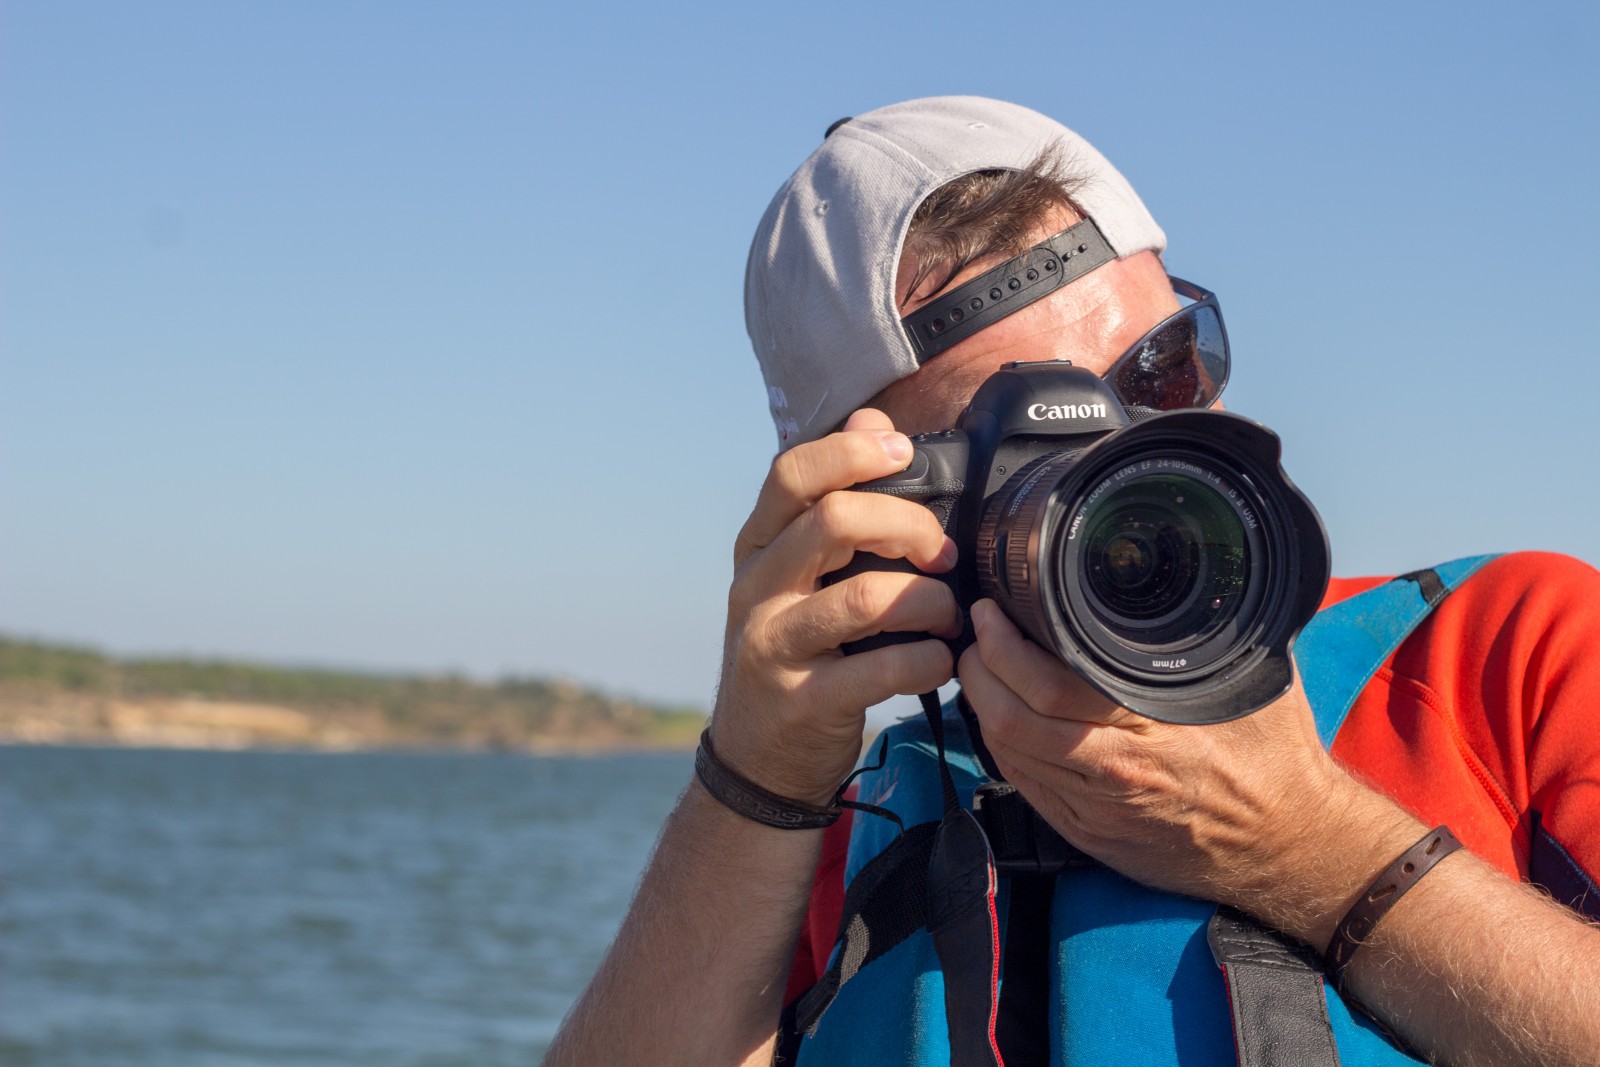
(1343, 646)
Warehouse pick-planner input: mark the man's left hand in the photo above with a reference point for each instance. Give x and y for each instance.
(1251, 812)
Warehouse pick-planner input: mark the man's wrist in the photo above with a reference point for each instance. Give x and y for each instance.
(727, 840)
(1343, 841)
(796, 768)
(753, 801)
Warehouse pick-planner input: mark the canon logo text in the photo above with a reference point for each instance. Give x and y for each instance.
(1041, 412)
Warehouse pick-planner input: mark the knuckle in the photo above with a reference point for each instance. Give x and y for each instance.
(807, 630)
(765, 642)
(788, 472)
(833, 513)
(743, 594)
(1001, 725)
(745, 544)
(991, 655)
(864, 598)
(1129, 774)
(1047, 698)
(857, 452)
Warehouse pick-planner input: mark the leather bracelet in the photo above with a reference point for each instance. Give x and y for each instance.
(1371, 906)
(742, 796)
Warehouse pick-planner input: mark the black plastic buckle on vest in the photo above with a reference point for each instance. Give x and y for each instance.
(1022, 842)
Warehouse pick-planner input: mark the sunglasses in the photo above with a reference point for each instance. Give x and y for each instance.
(1181, 363)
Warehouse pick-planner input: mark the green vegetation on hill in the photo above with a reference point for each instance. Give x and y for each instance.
(375, 708)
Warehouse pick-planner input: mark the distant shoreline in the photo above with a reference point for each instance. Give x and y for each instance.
(60, 696)
(189, 723)
(554, 752)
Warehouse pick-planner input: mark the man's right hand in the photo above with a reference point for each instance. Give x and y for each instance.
(791, 707)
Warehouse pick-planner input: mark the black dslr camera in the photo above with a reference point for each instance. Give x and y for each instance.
(1163, 555)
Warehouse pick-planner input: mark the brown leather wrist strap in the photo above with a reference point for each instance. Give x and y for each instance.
(742, 796)
(1371, 906)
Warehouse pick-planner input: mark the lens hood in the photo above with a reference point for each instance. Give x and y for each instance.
(1171, 563)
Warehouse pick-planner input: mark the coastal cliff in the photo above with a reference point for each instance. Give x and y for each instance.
(51, 694)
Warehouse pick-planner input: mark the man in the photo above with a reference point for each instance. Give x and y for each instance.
(1477, 721)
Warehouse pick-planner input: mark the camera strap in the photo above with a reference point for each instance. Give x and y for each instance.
(962, 918)
(934, 876)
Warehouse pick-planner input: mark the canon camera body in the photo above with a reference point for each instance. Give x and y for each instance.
(1165, 556)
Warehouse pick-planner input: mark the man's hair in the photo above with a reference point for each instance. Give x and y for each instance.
(987, 213)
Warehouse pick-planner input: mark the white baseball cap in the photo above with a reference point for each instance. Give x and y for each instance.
(819, 293)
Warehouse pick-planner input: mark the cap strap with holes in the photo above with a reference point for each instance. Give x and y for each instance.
(1010, 287)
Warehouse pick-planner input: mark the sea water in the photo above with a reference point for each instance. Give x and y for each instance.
(242, 908)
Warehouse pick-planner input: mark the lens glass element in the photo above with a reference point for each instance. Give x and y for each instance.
(1163, 561)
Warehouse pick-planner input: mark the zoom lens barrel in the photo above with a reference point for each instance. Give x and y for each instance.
(1171, 563)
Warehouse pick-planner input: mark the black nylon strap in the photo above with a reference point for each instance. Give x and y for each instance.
(1275, 993)
(1023, 1028)
(1011, 286)
(1433, 590)
(961, 918)
(1020, 838)
(975, 735)
(885, 904)
(962, 922)
(934, 714)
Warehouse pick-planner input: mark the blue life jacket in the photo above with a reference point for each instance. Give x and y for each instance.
(1131, 977)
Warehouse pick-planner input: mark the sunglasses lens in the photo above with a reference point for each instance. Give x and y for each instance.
(1183, 363)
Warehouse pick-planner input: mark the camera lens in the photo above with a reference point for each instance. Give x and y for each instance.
(1163, 561)
(1170, 563)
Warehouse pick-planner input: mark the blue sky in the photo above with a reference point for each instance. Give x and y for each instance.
(410, 335)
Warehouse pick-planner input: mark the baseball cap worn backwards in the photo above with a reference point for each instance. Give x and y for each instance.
(819, 293)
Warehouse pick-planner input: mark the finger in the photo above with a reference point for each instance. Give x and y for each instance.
(1043, 681)
(841, 524)
(868, 419)
(1010, 725)
(870, 678)
(806, 473)
(866, 604)
(1056, 803)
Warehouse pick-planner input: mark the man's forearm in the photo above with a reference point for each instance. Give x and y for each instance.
(1469, 966)
(1473, 968)
(696, 975)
